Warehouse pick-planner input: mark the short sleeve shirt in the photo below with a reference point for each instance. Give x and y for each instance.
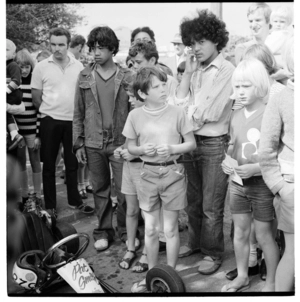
(166, 126)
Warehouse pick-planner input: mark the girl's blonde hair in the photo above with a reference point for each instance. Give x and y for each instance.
(284, 12)
(23, 57)
(252, 70)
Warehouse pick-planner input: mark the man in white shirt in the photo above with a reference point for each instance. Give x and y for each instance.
(53, 90)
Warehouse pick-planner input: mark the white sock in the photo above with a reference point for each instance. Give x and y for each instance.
(253, 255)
(24, 183)
(37, 183)
(81, 186)
(13, 134)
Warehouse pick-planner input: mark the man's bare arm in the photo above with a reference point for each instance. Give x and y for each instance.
(36, 97)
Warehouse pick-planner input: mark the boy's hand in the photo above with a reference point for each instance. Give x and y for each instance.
(126, 155)
(246, 171)
(81, 155)
(117, 152)
(227, 169)
(37, 143)
(148, 149)
(191, 62)
(164, 150)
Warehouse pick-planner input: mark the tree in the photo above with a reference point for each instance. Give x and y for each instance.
(29, 24)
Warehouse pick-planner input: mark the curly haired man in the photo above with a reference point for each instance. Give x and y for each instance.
(205, 92)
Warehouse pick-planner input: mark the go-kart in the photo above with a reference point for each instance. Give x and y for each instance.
(37, 271)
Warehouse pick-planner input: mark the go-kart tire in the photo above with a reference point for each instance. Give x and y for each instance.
(64, 229)
(163, 278)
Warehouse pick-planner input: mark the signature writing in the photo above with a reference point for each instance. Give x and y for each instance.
(80, 273)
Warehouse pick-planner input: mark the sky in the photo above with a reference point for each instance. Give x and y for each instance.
(163, 18)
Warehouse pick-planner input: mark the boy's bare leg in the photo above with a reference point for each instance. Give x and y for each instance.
(242, 229)
(264, 236)
(285, 273)
(151, 236)
(132, 214)
(172, 236)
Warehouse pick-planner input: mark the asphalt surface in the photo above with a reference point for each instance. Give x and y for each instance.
(105, 263)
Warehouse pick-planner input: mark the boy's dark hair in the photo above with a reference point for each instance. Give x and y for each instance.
(144, 78)
(105, 37)
(144, 29)
(181, 67)
(59, 31)
(77, 40)
(206, 26)
(147, 48)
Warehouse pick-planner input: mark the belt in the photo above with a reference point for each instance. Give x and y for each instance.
(259, 177)
(203, 138)
(164, 164)
(136, 160)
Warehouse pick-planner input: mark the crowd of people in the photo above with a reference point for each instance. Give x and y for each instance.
(214, 131)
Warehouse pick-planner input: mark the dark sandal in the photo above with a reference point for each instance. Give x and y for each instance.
(144, 266)
(89, 189)
(128, 260)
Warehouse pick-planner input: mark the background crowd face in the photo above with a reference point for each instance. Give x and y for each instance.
(101, 54)
(25, 70)
(279, 23)
(59, 47)
(140, 61)
(258, 24)
(179, 48)
(10, 51)
(204, 50)
(141, 36)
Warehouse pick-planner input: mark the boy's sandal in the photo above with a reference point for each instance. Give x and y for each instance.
(128, 260)
(144, 266)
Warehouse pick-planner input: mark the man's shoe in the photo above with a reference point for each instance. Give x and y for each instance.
(162, 246)
(263, 270)
(101, 244)
(185, 251)
(17, 139)
(84, 208)
(208, 266)
(252, 271)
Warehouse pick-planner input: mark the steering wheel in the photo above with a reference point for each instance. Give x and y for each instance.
(81, 249)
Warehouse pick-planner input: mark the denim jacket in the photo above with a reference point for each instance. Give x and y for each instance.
(87, 121)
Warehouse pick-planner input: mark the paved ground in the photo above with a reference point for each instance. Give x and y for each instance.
(106, 266)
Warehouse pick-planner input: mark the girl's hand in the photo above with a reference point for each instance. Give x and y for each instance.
(164, 150)
(148, 149)
(227, 169)
(246, 171)
(37, 143)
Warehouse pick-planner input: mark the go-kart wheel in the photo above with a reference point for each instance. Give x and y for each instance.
(65, 240)
(164, 279)
(64, 229)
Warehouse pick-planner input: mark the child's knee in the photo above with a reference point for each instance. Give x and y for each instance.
(132, 213)
(152, 231)
(241, 234)
(170, 233)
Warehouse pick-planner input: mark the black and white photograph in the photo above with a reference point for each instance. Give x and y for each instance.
(150, 149)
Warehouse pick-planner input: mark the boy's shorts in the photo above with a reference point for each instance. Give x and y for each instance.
(254, 196)
(29, 140)
(131, 177)
(162, 187)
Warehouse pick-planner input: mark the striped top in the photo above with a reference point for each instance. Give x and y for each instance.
(29, 121)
